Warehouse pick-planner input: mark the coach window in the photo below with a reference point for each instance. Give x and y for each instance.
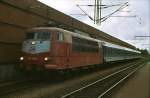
(60, 36)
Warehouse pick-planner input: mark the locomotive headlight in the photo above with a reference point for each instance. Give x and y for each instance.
(33, 43)
(21, 58)
(46, 59)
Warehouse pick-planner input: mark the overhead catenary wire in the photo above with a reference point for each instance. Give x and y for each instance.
(85, 12)
(98, 6)
(120, 8)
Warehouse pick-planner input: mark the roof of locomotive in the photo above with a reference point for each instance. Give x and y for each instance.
(86, 37)
(66, 32)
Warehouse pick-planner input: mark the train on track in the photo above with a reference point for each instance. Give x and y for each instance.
(52, 48)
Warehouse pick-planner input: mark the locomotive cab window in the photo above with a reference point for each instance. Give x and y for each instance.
(38, 35)
(43, 35)
(60, 36)
(30, 35)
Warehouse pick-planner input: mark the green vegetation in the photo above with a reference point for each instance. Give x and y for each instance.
(145, 54)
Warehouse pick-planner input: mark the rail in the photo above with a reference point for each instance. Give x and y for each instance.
(102, 86)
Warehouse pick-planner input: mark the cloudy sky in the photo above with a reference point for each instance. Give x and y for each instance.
(121, 27)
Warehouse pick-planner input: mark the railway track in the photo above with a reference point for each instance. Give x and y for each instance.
(100, 87)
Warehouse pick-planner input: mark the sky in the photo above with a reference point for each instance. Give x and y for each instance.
(124, 28)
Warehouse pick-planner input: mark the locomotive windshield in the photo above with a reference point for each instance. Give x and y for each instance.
(37, 42)
(38, 35)
(30, 35)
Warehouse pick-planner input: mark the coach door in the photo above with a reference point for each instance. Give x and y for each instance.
(102, 51)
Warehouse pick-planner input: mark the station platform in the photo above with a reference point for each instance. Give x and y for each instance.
(138, 86)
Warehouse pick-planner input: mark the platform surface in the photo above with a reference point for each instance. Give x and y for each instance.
(138, 86)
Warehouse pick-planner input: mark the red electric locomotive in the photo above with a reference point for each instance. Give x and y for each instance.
(54, 48)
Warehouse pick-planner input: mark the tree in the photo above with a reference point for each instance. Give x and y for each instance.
(144, 52)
